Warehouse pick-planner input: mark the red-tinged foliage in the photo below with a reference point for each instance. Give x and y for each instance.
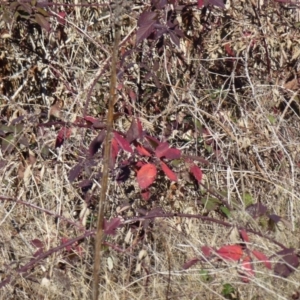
(61, 19)
(170, 174)
(97, 142)
(78, 250)
(153, 142)
(287, 264)
(230, 252)
(37, 243)
(90, 119)
(124, 144)
(142, 151)
(146, 175)
(132, 95)
(146, 23)
(207, 136)
(74, 172)
(64, 133)
(263, 258)
(190, 158)
(114, 149)
(145, 195)
(65, 240)
(140, 128)
(197, 173)
(173, 153)
(162, 149)
(229, 50)
(135, 131)
(244, 236)
(202, 3)
(247, 269)
(190, 263)
(139, 164)
(207, 251)
(42, 20)
(111, 226)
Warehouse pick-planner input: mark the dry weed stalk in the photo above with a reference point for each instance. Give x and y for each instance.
(106, 159)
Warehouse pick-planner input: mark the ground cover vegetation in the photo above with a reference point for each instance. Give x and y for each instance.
(177, 122)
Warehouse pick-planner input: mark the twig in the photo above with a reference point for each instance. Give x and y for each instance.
(104, 181)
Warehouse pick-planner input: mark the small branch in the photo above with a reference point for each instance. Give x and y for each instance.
(104, 182)
(34, 261)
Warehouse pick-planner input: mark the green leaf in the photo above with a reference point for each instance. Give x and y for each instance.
(45, 152)
(42, 21)
(247, 199)
(208, 148)
(211, 203)
(228, 291)
(42, 12)
(272, 119)
(198, 125)
(204, 274)
(7, 143)
(7, 129)
(175, 162)
(225, 211)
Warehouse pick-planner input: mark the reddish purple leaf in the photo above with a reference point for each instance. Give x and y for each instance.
(142, 151)
(146, 17)
(61, 19)
(170, 174)
(135, 131)
(85, 185)
(139, 164)
(37, 243)
(190, 263)
(146, 175)
(153, 142)
(206, 250)
(146, 195)
(247, 269)
(173, 153)
(132, 95)
(146, 23)
(162, 149)
(256, 210)
(124, 144)
(65, 240)
(42, 21)
(74, 172)
(287, 265)
(197, 173)
(111, 226)
(219, 3)
(188, 158)
(201, 3)
(63, 134)
(90, 119)
(230, 252)
(275, 218)
(96, 143)
(114, 152)
(174, 38)
(263, 258)
(244, 236)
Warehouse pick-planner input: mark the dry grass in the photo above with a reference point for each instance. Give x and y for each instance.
(248, 105)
